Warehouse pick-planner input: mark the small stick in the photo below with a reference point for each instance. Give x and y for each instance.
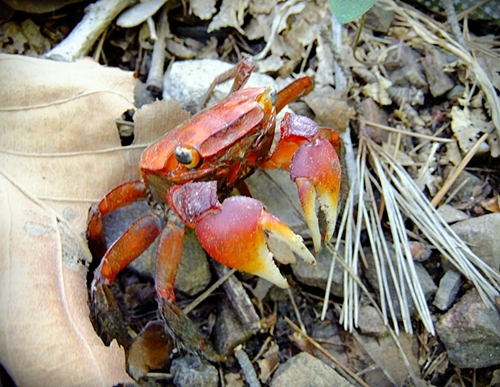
(79, 42)
(155, 76)
(246, 367)
(451, 179)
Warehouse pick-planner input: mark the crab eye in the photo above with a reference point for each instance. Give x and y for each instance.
(187, 156)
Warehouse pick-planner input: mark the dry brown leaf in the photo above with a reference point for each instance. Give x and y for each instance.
(330, 108)
(47, 338)
(58, 143)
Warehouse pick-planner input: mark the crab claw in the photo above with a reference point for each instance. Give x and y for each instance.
(245, 237)
(239, 232)
(315, 169)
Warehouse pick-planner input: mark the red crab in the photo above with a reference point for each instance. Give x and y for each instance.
(201, 161)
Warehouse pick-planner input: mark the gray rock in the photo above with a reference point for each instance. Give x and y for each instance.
(447, 290)
(392, 366)
(482, 234)
(307, 371)
(194, 271)
(193, 371)
(228, 331)
(464, 186)
(370, 322)
(451, 215)
(184, 83)
(470, 332)
(318, 276)
(439, 82)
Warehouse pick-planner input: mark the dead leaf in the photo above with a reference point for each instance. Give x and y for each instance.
(467, 125)
(231, 14)
(47, 338)
(58, 143)
(330, 108)
(269, 362)
(202, 8)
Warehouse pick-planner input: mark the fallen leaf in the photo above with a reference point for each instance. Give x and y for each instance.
(46, 337)
(231, 14)
(468, 125)
(59, 152)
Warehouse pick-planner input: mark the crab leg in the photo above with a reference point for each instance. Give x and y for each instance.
(118, 197)
(239, 232)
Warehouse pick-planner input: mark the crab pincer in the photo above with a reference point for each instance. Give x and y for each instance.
(239, 232)
(309, 153)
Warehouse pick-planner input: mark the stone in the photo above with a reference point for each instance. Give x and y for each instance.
(370, 322)
(439, 82)
(307, 371)
(228, 331)
(451, 215)
(447, 290)
(194, 371)
(470, 332)
(482, 234)
(318, 276)
(391, 370)
(184, 83)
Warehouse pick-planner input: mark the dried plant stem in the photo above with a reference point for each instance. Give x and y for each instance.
(155, 76)
(79, 42)
(246, 367)
(296, 310)
(456, 172)
(407, 133)
(208, 292)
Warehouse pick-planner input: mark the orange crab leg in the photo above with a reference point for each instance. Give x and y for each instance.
(128, 247)
(118, 197)
(296, 89)
(168, 258)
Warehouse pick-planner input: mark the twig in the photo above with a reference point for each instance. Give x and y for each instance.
(155, 76)
(451, 15)
(79, 42)
(407, 133)
(246, 367)
(297, 313)
(207, 292)
(460, 167)
(239, 298)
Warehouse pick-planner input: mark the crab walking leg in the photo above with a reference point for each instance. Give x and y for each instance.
(128, 247)
(296, 89)
(168, 258)
(118, 197)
